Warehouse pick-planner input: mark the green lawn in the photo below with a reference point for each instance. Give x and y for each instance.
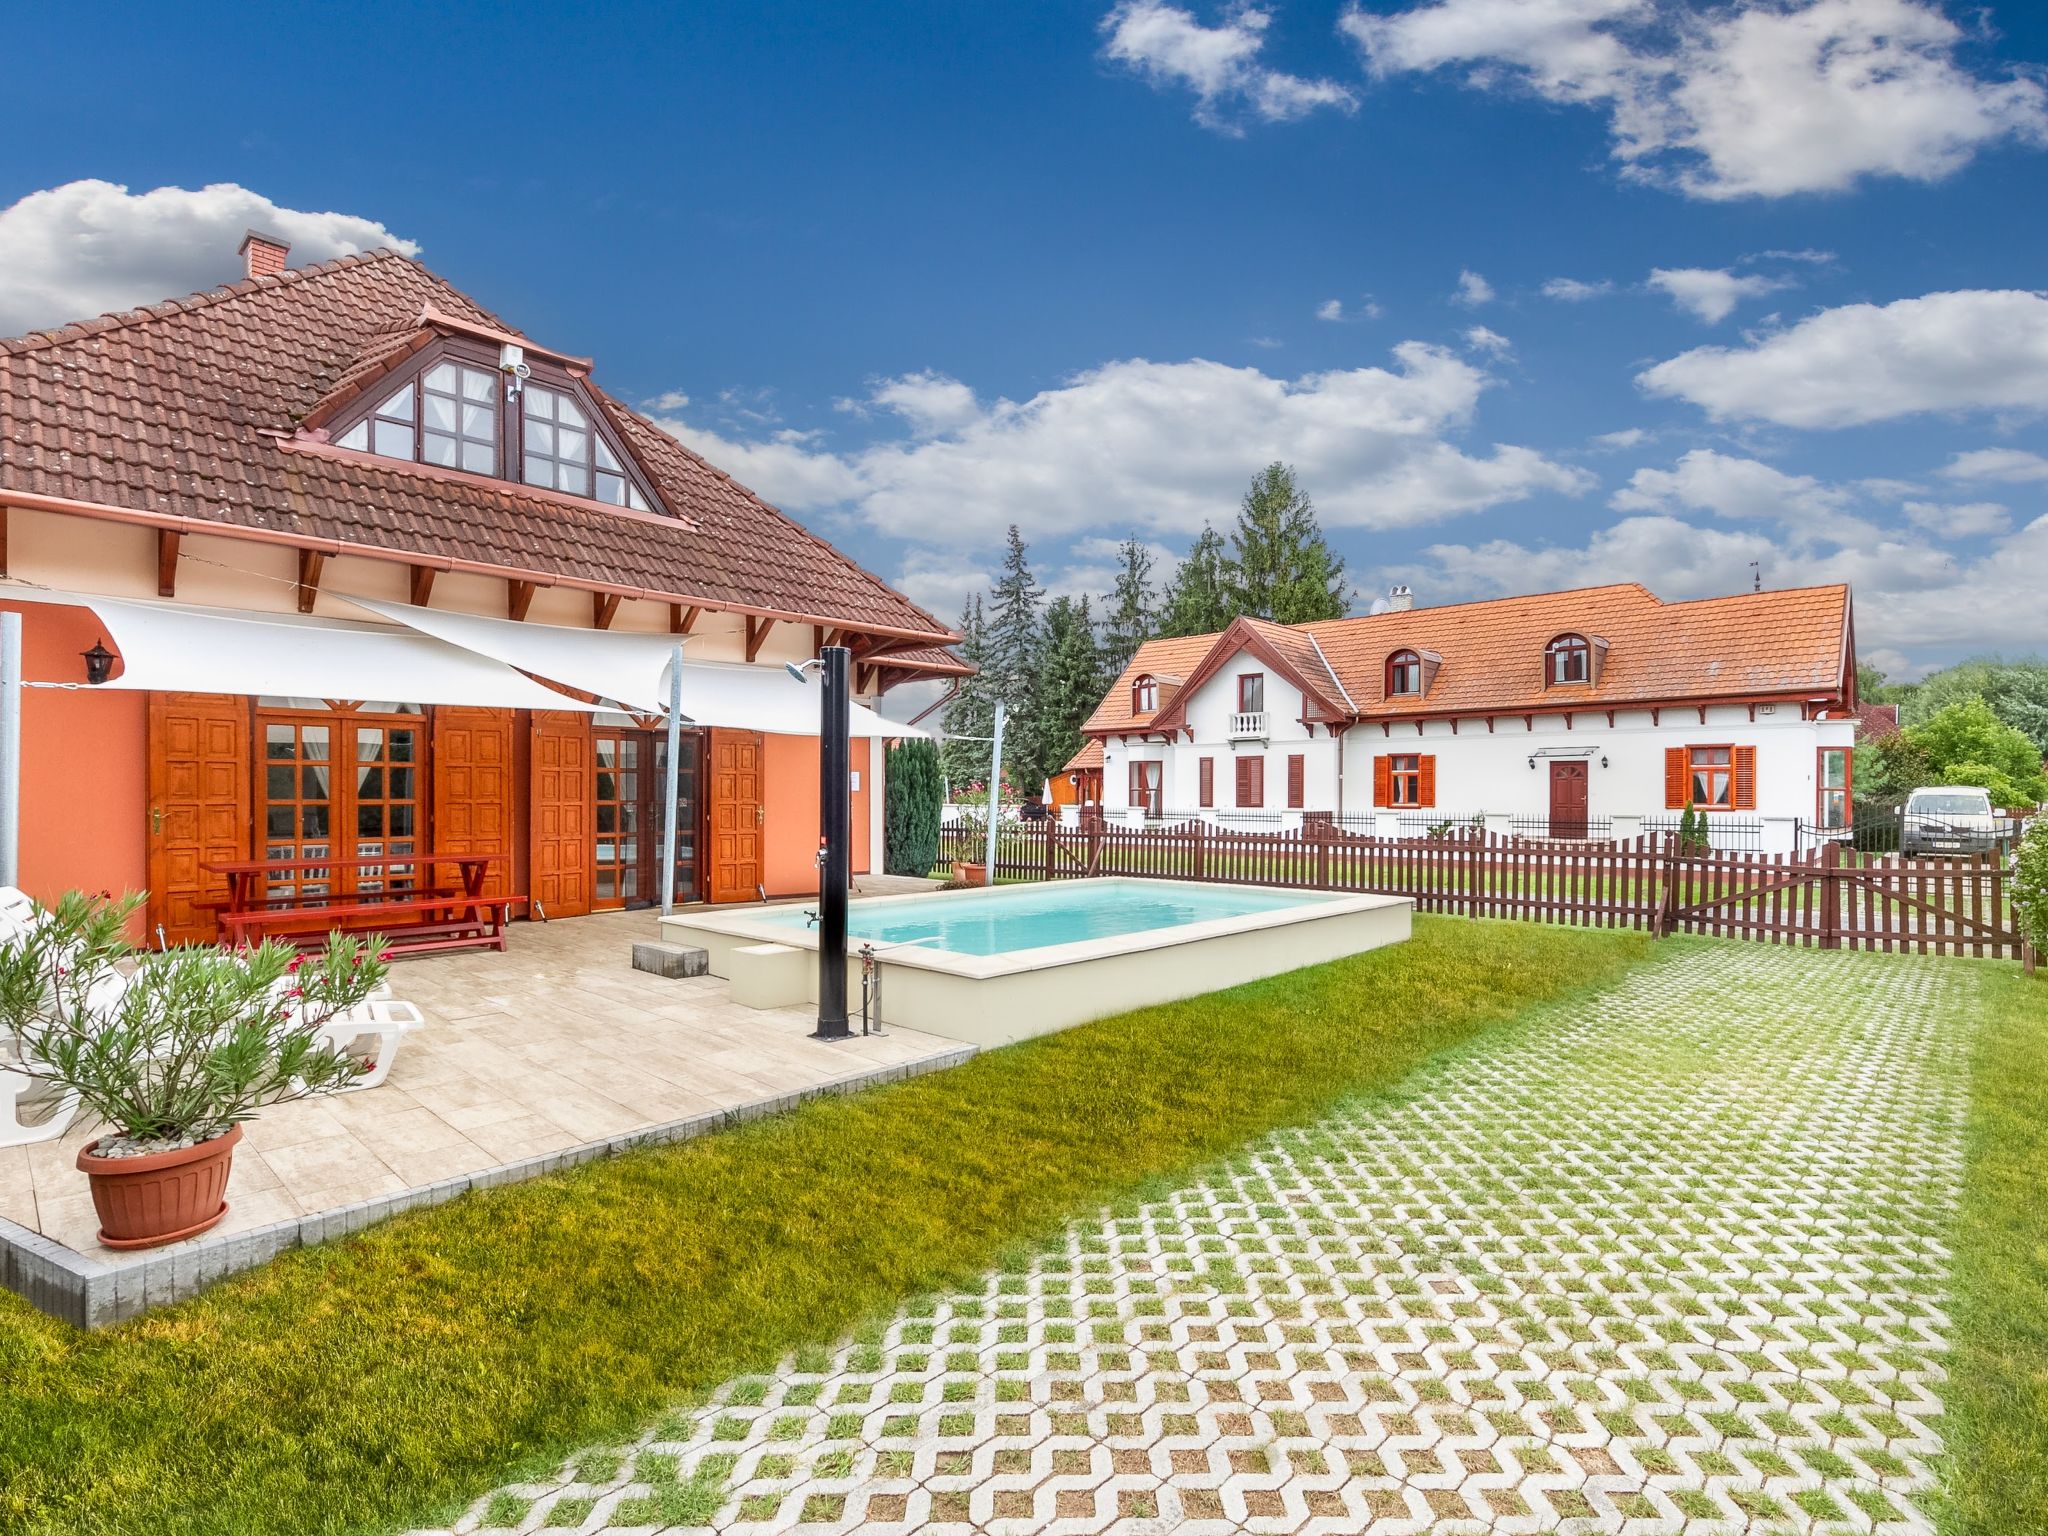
(1997, 1398)
(384, 1380)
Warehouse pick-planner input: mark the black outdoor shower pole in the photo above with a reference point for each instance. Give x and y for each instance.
(835, 841)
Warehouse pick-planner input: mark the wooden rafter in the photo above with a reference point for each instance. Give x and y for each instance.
(604, 607)
(422, 585)
(167, 542)
(311, 563)
(681, 619)
(757, 633)
(518, 598)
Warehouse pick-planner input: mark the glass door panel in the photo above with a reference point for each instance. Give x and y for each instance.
(298, 804)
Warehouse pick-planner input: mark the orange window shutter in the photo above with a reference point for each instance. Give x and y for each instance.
(1426, 773)
(1745, 778)
(1677, 771)
(1382, 780)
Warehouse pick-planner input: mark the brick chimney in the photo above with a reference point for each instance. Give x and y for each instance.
(1400, 599)
(263, 255)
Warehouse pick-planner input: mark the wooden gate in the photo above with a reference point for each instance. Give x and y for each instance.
(472, 764)
(198, 806)
(563, 818)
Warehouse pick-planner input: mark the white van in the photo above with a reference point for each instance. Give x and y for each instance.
(1954, 818)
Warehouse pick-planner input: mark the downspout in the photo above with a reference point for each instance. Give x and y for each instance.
(1349, 703)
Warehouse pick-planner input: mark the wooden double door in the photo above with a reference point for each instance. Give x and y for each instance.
(595, 819)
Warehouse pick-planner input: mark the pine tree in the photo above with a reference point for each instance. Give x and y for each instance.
(972, 711)
(1197, 600)
(1012, 635)
(1128, 612)
(1280, 566)
(1066, 685)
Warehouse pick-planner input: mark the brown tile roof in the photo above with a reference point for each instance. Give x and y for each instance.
(182, 410)
(1163, 659)
(934, 659)
(1754, 643)
(1088, 759)
(1875, 722)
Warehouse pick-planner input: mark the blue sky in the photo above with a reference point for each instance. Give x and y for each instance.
(917, 271)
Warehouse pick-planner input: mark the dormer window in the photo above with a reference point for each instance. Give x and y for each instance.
(1404, 673)
(455, 413)
(1567, 659)
(1144, 694)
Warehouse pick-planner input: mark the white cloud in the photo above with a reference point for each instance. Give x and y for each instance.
(1711, 293)
(81, 249)
(2012, 466)
(1473, 290)
(1965, 520)
(929, 403)
(1480, 339)
(1969, 350)
(1570, 290)
(1749, 99)
(1168, 47)
(1706, 481)
(1627, 437)
(1162, 448)
(1334, 310)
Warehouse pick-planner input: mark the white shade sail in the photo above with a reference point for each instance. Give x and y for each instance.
(631, 670)
(183, 648)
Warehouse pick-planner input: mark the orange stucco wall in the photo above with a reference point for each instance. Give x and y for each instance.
(789, 795)
(84, 773)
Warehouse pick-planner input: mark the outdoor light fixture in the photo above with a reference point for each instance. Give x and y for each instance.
(1603, 759)
(99, 663)
(1532, 765)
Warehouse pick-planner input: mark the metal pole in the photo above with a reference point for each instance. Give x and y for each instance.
(673, 779)
(835, 841)
(995, 795)
(10, 749)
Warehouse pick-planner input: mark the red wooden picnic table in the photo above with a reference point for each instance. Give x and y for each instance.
(415, 916)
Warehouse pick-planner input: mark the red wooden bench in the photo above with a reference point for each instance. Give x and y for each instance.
(413, 919)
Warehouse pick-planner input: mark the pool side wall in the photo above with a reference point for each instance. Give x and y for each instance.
(989, 1000)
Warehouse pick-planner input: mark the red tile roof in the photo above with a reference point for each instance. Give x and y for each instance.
(187, 409)
(1875, 722)
(1752, 644)
(1088, 759)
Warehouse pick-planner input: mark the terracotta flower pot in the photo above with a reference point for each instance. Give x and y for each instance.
(973, 874)
(161, 1197)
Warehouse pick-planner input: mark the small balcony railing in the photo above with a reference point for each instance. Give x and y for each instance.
(1249, 725)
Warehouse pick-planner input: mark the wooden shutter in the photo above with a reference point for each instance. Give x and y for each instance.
(1383, 780)
(199, 788)
(1297, 777)
(562, 824)
(1677, 778)
(472, 763)
(738, 815)
(1207, 777)
(1251, 782)
(1745, 778)
(1426, 779)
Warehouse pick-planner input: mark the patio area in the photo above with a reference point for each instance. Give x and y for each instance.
(550, 1053)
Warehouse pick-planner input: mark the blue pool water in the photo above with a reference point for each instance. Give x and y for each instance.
(1001, 924)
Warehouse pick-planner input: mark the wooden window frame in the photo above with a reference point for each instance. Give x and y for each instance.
(1247, 684)
(1822, 789)
(1560, 653)
(1143, 793)
(1404, 661)
(1404, 773)
(1205, 780)
(1144, 694)
(342, 719)
(1741, 762)
(1251, 770)
(510, 435)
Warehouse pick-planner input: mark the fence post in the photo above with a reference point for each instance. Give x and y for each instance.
(1663, 894)
(1830, 895)
(1052, 837)
(1201, 850)
(1091, 825)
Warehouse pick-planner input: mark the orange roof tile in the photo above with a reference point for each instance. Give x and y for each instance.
(1751, 644)
(183, 408)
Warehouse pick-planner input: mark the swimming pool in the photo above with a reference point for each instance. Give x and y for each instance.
(1009, 919)
(994, 965)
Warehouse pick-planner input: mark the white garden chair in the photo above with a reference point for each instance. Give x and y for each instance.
(15, 1131)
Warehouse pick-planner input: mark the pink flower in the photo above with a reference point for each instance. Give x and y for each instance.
(294, 963)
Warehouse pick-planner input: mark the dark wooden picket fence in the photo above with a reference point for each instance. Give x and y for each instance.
(1827, 897)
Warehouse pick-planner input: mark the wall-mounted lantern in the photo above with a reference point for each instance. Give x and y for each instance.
(99, 663)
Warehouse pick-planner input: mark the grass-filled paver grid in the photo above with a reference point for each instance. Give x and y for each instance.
(1666, 1258)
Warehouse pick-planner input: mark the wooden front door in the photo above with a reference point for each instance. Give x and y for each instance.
(198, 806)
(562, 812)
(737, 816)
(1567, 799)
(472, 761)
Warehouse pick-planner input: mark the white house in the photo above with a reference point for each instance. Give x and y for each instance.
(1602, 712)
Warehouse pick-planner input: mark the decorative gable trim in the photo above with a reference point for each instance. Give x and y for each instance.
(1241, 637)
